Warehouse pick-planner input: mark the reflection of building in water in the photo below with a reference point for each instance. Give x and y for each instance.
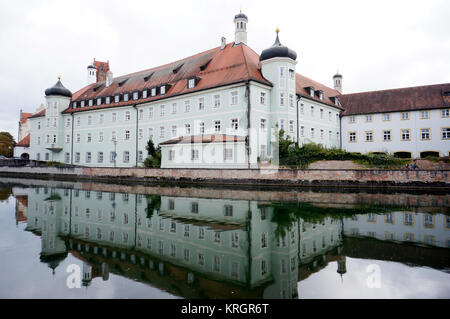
(21, 196)
(192, 247)
(401, 226)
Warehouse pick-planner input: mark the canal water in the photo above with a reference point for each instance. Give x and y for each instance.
(85, 240)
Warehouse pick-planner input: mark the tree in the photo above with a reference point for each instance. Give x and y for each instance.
(7, 144)
(154, 155)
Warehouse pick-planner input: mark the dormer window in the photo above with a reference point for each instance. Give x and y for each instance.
(191, 83)
(117, 98)
(99, 100)
(144, 94)
(82, 103)
(126, 97)
(74, 105)
(108, 100)
(311, 91)
(91, 102)
(135, 95)
(162, 90)
(321, 95)
(153, 91)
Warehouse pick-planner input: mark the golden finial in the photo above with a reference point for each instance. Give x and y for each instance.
(59, 77)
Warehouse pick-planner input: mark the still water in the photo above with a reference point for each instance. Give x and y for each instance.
(84, 240)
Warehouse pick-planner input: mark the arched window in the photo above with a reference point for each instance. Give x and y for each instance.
(242, 25)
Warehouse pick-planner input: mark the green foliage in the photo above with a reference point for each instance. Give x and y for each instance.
(153, 203)
(293, 155)
(154, 155)
(7, 144)
(5, 193)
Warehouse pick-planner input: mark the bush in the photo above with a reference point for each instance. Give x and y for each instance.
(294, 156)
(154, 159)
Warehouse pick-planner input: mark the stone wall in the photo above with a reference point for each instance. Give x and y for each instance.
(325, 177)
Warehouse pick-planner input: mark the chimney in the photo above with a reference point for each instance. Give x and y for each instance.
(109, 78)
(223, 43)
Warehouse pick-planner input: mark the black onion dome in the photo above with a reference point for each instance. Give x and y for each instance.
(58, 89)
(337, 75)
(277, 50)
(240, 15)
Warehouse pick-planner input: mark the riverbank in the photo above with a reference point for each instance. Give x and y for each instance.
(254, 177)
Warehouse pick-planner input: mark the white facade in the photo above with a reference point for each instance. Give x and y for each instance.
(414, 132)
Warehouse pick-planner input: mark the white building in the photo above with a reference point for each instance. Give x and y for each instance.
(410, 122)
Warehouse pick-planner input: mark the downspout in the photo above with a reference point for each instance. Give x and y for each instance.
(298, 136)
(340, 131)
(137, 129)
(247, 92)
(71, 142)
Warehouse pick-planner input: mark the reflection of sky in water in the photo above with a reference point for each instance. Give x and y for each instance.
(396, 281)
(23, 275)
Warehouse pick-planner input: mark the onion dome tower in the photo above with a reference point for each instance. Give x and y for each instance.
(240, 32)
(277, 50)
(58, 89)
(337, 80)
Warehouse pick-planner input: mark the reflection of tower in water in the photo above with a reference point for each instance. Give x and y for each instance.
(341, 263)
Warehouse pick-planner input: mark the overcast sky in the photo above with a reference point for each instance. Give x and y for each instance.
(374, 44)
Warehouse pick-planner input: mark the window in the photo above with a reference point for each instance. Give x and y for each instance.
(67, 138)
(89, 137)
(228, 154)
(234, 98)
(100, 137)
(161, 131)
(67, 157)
(77, 157)
(263, 124)
(141, 134)
(263, 98)
(88, 157)
(386, 117)
(291, 126)
(329, 116)
(191, 83)
(150, 133)
(144, 94)
(174, 108)
(302, 131)
(187, 129)
(150, 112)
(99, 101)
(153, 91)
(352, 119)
(321, 134)
(171, 155)
(108, 100)
(194, 207)
(312, 132)
(161, 110)
(291, 74)
(282, 124)
(162, 90)
(445, 113)
(352, 137)
(100, 157)
(405, 134)
(127, 135)
(174, 130)
(117, 98)
(235, 240)
(202, 127)
(216, 100)
(141, 114)
(368, 118)
(405, 116)
(424, 115)
(369, 136)
(312, 111)
(201, 104)
(282, 99)
(126, 156)
(264, 240)
(445, 131)
(89, 120)
(321, 113)
(100, 119)
(217, 127)
(425, 133)
(387, 135)
(112, 156)
(194, 155)
(68, 123)
(126, 97)
(113, 136)
(281, 72)
(263, 267)
(187, 106)
(234, 124)
(291, 100)
(113, 117)
(127, 116)
(78, 138)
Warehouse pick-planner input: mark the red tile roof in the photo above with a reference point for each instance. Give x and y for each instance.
(214, 68)
(209, 138)
(25, 142)
(38, 114)
(395, 100)
(302, 83)
(24, 116)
